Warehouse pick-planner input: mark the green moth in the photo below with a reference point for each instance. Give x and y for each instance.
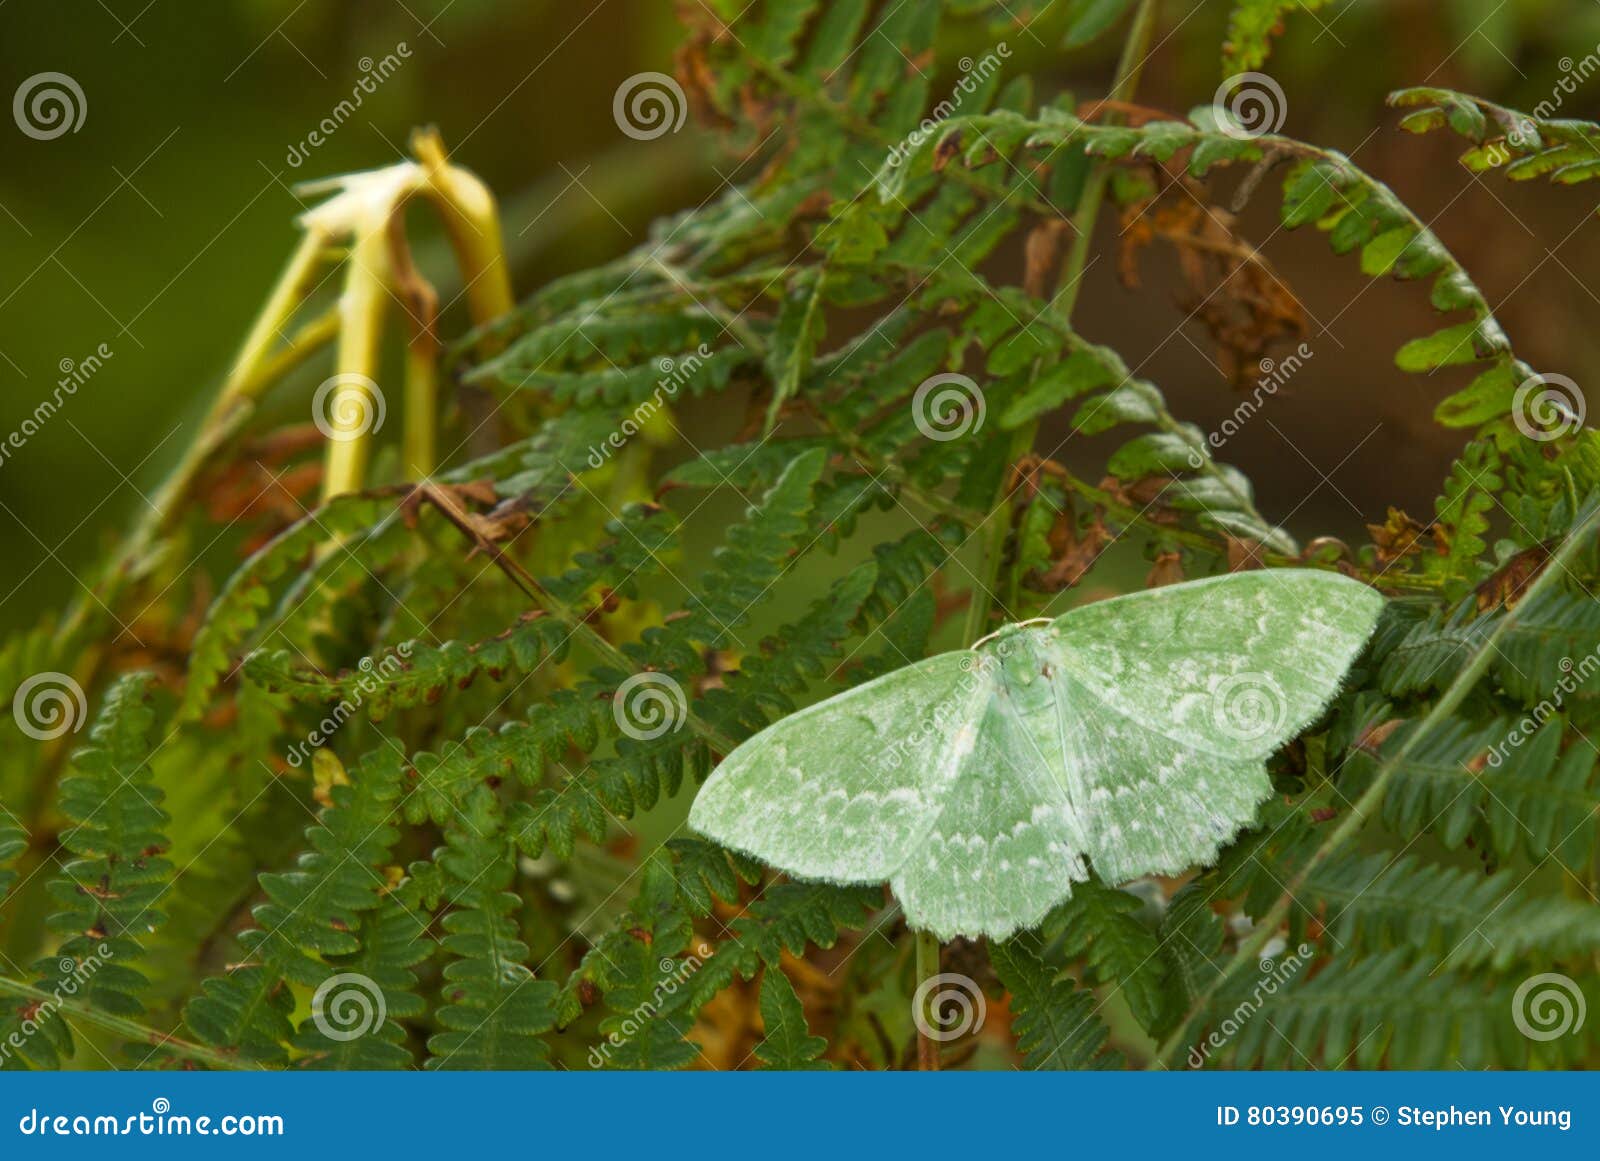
(1129, 736)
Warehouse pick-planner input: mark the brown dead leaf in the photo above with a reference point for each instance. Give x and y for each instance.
(1167, 570)
(1245, 555)
(1075, 550)
(1510, 581)
(1041, 256)
(1373, 738)
(1399, 535)
(946, 151)
(1228, 284)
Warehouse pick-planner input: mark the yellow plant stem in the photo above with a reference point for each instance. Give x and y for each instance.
(355, 403)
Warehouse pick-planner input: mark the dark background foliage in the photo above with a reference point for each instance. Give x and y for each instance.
(158, 227)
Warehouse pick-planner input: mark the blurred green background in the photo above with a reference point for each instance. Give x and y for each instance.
(158, 226)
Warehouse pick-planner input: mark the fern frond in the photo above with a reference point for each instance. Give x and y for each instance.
(1384, 1011)
(787, 1044)
(495, 1011)
(1251, 26)
(1055, 1023)
(108, 891)
(1462, 918)
(1524, 146)
(310, 913)
(1513, 788)
(237, 611)
(415, 672)
(1322, 186)
(1099, 926)
(393, 939)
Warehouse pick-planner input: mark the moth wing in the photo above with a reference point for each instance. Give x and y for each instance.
(843, 790)
(1007, 845)
(1173, 699)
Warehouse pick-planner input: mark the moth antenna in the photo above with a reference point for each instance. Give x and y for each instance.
(1014, 625)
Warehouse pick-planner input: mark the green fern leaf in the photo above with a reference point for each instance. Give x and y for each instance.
(787, 1044)
(1055, 1023)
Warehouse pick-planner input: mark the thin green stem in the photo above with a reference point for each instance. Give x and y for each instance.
(552, 605)
(928, 954)
(1135, 50)
(128, 1030)
(1369, 802)
(992, 551)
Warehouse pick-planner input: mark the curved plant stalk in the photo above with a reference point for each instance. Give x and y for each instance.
(359, 214)
(419, 442)
(367, 209)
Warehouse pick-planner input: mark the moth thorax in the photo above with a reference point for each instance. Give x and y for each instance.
(1024, 656)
